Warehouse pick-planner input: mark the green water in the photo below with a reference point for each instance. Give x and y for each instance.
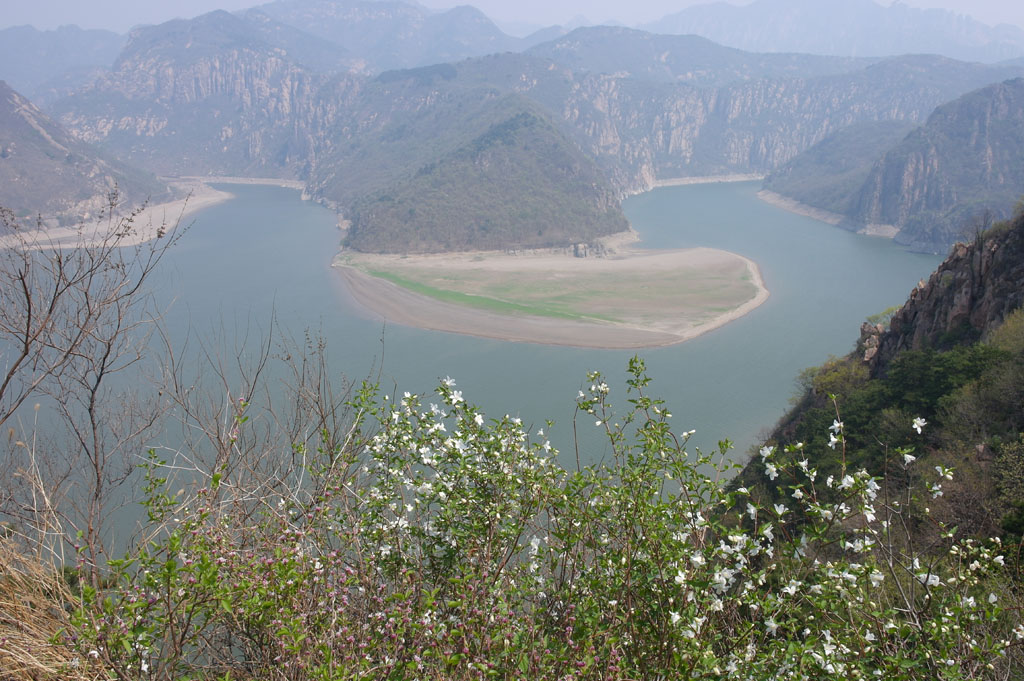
(267, 254)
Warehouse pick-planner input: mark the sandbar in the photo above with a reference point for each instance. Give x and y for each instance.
(644, 320)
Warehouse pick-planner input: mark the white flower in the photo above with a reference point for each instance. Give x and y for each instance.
(478, 420)
(876, 578)
(928, 579)
(999, 561)
(908, 459)
(832, 440)
(773, 472)
(780, 510)
(675, 617)
(992, 598)
(449, 381)
(771, 626)
(836, 426)
(767, 451)
(918, 424)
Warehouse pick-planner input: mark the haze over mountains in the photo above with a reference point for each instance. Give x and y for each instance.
(397, 115)
(856, 28)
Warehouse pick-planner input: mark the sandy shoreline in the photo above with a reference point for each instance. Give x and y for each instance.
(707, 179)
(151, 220)
(215, 179)
(386, 301)
(794, 206)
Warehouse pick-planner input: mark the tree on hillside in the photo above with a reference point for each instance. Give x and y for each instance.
(74, 314)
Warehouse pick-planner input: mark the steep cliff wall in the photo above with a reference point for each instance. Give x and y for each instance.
(965, 158)
(971, 293)
(207, 96)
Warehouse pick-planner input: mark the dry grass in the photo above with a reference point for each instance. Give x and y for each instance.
(34, 600)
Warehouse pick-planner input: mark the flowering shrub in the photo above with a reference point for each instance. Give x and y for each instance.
(439, 543)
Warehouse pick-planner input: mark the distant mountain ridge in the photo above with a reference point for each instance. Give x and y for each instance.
(234, 94)
(852, 28)
(680, 58)
(44, 65)
(390, 34)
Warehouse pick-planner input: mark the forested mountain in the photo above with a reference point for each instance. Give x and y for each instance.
(934, 185)
(855, 28)
(45, 171)
(518, 182)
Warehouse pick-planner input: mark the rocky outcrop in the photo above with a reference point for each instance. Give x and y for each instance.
(971, 293)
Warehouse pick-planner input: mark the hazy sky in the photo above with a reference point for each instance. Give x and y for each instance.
(119, 15)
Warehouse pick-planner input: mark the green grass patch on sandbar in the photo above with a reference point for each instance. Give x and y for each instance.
(482, 302)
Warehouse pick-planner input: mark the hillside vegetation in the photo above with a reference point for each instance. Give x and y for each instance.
(519, 184)
(954, 356)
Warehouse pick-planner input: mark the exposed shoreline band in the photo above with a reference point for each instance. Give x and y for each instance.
(151, 219)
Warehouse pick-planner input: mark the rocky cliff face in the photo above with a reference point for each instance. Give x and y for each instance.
(207, 96)
(965, 158)
(971, 293)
